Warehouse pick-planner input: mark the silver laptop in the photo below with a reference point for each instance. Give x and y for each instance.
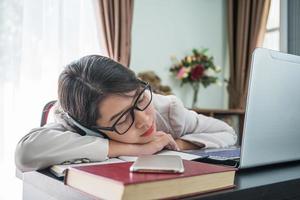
(272, 119)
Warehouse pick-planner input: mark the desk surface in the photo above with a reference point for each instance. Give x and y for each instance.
(270, 182)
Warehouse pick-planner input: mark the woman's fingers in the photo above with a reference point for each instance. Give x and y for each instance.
(167, 140)
(172, 143)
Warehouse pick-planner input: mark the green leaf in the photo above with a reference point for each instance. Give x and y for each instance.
(204, 51)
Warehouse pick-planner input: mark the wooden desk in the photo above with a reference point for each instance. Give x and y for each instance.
(272, 182)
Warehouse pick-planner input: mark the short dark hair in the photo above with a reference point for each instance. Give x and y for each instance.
(84, 83)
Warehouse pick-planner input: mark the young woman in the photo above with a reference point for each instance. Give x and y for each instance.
(104, 111)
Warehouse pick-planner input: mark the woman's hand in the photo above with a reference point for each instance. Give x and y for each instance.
(161, 140)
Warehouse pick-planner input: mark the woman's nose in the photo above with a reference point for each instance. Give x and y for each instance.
(141, 119)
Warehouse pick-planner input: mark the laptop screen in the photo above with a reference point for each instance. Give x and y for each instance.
(272, 119)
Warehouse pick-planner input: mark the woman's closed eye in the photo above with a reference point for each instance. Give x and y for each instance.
(123, 119)
(142, 99)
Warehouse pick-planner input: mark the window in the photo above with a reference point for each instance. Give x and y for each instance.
(273, 34)
(37, 38)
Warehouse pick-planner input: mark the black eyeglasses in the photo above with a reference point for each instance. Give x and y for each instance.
(125, 121)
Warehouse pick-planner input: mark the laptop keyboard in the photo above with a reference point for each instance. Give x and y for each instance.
(218, 153)
(235, 153)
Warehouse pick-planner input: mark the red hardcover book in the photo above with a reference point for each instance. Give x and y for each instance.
(115, 181)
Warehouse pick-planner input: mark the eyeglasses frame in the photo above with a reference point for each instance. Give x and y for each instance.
(131, 110)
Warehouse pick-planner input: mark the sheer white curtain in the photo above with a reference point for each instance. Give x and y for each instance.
(38, 37)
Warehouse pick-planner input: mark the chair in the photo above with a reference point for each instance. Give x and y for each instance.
(45, 113)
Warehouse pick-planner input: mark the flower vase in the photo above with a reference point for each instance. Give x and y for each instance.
(195, 95)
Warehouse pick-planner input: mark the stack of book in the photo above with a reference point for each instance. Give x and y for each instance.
(115, 181)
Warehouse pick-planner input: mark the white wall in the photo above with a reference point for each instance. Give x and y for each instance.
(162, 28)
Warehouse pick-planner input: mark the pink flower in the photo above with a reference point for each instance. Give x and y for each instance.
(182, 73)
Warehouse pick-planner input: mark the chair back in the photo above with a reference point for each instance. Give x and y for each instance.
(46, 111)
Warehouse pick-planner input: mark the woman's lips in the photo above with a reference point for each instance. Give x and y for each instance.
(149, 131)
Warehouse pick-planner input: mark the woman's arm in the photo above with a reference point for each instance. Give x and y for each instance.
(53, 144)
(198, 129)
(185, 145)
